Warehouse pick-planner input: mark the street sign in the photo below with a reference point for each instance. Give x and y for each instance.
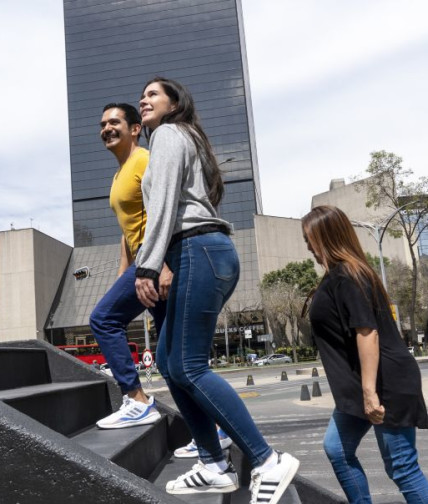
(248, 333)
(147, 358)
(264, 337)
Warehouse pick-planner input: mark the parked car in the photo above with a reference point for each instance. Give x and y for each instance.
(273, 359)
(220, 363)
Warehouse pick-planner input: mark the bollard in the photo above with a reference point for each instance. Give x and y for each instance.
(250, 380)
(304, 393)
(316, 390)
(284, 376)
(314, 372)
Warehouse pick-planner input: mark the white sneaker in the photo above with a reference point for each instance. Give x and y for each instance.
(201, 480)
(268, 487)
(131, 413)
(188, 451)
(191, 450)
(224, 439)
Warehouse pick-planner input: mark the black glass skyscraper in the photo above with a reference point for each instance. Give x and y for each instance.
(112, 48)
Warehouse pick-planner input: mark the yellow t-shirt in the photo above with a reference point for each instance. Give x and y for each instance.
(126, 199)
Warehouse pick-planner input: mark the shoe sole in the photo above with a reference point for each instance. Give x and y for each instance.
(286, 480)
(202, 490)
(150, 419)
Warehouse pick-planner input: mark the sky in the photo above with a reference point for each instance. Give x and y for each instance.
(331, 81)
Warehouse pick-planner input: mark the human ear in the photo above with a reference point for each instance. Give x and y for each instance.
(136, 129)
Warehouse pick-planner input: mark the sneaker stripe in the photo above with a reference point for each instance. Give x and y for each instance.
(202, 479)
(195, 481)
(144, 414)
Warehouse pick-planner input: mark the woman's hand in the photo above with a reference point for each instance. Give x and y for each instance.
(373, 409)
(146, 292)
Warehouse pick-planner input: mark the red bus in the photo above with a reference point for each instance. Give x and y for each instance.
(91, 353)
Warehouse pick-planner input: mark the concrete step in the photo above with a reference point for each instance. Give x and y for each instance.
(64, 407)
(21, 367)
(138, 449)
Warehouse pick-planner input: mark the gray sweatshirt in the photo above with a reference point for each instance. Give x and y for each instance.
(174, 194)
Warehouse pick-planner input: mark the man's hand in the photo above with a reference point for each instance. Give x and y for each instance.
(165, 280)
(373, 409)
(146, 292)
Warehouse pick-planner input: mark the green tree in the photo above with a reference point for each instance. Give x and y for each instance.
(374, 262)
(302, 274)
(388, 186)
(283, 294)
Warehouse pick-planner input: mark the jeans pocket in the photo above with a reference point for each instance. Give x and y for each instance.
(223, 260)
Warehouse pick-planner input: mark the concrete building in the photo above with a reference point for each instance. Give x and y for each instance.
(280, 241)
(32, 266)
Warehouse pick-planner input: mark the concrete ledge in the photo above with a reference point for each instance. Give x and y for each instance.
(44, 467)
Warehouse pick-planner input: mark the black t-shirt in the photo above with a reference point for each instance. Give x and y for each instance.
(338, 307)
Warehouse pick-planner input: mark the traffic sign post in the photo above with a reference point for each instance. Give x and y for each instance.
(147, 358)
(148, 361)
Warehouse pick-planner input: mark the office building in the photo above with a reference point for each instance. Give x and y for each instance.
(112, 49)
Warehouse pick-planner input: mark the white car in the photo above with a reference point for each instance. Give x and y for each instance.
(273, 359)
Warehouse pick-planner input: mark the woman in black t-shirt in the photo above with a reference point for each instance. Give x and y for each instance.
(373, 378)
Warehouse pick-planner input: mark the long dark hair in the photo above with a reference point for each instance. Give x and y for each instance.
(184, 115)
(333, 240)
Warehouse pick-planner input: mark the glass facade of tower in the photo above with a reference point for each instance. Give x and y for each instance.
(112, 49)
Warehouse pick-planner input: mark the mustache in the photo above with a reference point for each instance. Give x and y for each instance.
(107, 136)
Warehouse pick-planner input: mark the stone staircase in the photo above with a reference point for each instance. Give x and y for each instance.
(52, 453)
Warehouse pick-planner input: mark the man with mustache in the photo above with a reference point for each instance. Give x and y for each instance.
(120, 132)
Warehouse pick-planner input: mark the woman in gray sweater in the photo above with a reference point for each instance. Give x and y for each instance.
(182, 187)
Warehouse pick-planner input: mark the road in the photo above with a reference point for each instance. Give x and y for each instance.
(290, 424)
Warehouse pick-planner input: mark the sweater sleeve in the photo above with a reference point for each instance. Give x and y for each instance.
(166, 167)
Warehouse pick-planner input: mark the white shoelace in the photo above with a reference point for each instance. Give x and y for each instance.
(125, 403)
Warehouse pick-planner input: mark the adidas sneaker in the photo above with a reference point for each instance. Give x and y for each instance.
(200, 479)
(191, 450)
(267, 487)
(131, 413)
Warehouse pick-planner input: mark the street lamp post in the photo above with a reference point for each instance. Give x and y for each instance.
(375, 231)
(378, 232)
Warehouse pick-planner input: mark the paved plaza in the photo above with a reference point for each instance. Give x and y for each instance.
(298, 426)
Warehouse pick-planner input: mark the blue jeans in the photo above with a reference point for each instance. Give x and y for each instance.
(109, 322)
(206, 271)
(398, 450)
